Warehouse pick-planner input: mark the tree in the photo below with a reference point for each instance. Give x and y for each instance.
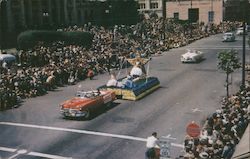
(228, 62)
(236, 10)
(122, 12)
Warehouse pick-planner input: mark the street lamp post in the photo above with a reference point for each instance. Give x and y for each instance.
(109, 16)
(1, 23)
(164, 18)
(1, 28)
(45, 19)
(244, 43)
(244, 54)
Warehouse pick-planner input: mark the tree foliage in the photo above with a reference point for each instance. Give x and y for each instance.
(228, 62)
(123, 12)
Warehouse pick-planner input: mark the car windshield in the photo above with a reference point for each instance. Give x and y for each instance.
(89, 94)
(228, 35)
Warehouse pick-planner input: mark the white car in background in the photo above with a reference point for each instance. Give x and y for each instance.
(192, 56)
(7, 58)
(240, 30)
(228, 37)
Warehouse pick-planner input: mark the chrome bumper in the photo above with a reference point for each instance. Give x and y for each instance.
(72, 113)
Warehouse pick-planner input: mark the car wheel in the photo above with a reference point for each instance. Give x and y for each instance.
(88, 114)
(109, 104)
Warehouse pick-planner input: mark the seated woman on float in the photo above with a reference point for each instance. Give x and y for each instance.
(136, 71)
(125, 83)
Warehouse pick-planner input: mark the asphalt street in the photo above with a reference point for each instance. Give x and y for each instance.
(189, 92)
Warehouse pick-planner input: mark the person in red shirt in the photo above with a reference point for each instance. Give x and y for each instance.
(90, 74)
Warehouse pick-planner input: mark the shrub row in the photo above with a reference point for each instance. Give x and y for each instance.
(29, 39)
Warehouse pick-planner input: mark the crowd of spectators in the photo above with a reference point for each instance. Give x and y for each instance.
(222, 130)
(48, 66)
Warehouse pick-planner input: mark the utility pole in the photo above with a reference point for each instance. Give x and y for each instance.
(164, 9)
(244, 44)
(244, 53)
(164, 18)
(1, 26)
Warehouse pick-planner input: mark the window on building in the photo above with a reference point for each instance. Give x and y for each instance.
(176, 15)
(15, 3)
(142, 5)
(79, 16)
(211, 16)
(153, 5)
(193, 15)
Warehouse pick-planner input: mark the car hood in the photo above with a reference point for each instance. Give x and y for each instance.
(189, 55)
(76, 103)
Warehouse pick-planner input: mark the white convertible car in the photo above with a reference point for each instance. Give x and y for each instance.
(192, 56)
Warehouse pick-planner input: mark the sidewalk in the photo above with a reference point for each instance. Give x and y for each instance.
(242, 150)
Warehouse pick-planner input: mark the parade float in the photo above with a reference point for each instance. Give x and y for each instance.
(136, 85)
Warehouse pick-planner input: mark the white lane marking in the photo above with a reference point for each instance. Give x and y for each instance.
(80, 132)
(196, 110)
(217, 48)
(177, 145)
(74, 130)
(7, 149)
(22, 151)
(14, 156)
(38, 154)
(19, 152)
(169, 137)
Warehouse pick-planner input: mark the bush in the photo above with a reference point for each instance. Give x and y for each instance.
(78, 38)
(29, 39)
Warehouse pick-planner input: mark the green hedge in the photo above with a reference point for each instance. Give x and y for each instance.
(78, 38)
(29, 39)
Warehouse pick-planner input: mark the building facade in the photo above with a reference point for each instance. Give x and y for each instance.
(207, 11)
(150, 7)
(20, 14)
(237, 10)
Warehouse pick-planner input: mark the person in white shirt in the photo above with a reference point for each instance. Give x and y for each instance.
(136, 71)
(152, 143)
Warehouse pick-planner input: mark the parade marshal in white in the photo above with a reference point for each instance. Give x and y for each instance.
(152, 143)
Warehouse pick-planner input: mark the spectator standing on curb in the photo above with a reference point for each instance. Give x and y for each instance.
(152, 143)
(90, 74)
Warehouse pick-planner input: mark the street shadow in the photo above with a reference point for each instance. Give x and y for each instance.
(195, 62)
(96, 113)
(206, 70)
(163, 87)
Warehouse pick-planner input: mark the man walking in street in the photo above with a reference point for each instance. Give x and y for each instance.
(152, 143)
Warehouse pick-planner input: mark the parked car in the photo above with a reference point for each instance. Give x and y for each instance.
(8, 59)
(85, 103)
(228, 37)
(192, 56)
(240, 30)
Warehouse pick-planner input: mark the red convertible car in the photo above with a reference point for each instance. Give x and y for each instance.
(85, 103)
